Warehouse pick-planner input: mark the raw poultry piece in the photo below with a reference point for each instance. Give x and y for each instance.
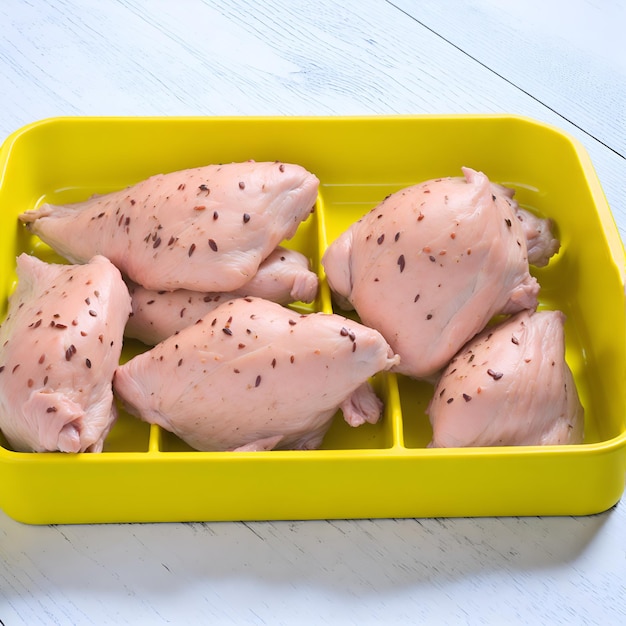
(254, 375)
(509, 386)
(206, 229)
(431, 265)
(283, 277)
(61, 342)
(541, 242)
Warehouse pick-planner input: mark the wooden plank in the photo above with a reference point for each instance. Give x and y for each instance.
(530, 44)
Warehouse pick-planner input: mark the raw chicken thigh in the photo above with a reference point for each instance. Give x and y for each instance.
(509, 386)
(206, 229)
(541, 243)
(431, 265)
(61, 342)
(254, 375)
(283, 277)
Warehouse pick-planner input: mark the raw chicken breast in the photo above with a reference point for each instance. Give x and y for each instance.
(283, 277)
(509, 386)
(254, 375)
(61, 343)
(206, 229)
(431, 265)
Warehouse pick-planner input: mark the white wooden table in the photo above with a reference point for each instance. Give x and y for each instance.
(563, 66)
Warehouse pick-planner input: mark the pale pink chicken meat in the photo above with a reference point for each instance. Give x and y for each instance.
(431, 265)
(509, 386)
(283, 277)
(254, 375)
(61, 342)
(206, 229)
(541, 242)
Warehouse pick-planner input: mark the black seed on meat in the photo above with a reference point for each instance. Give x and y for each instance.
(246, 218)
(70, 352)
(213, 245)
(92, 313)
(227, 331)
(380, 239)
(401, 262)
(242, 185)
(192, 248)
(257, 382)
(88, 363)
(466, 397)
(495, 375)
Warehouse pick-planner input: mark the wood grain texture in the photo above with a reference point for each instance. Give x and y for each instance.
(321, 57)
(531, 44)
(280, 58)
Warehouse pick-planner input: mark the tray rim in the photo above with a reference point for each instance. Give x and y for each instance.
(615, 444)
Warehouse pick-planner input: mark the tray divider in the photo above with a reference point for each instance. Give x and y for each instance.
(324, 298)
(394, 410)
(155, 439)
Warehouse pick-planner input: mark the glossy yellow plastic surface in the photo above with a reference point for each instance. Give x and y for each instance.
(382, 470)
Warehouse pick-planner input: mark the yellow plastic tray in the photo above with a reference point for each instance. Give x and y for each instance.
(383, 470)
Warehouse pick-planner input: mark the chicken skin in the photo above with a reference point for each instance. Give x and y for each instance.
(509, 386)
(206, 229)
(283, 277)
(254, 375)
(60, 344)
(431, 265)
